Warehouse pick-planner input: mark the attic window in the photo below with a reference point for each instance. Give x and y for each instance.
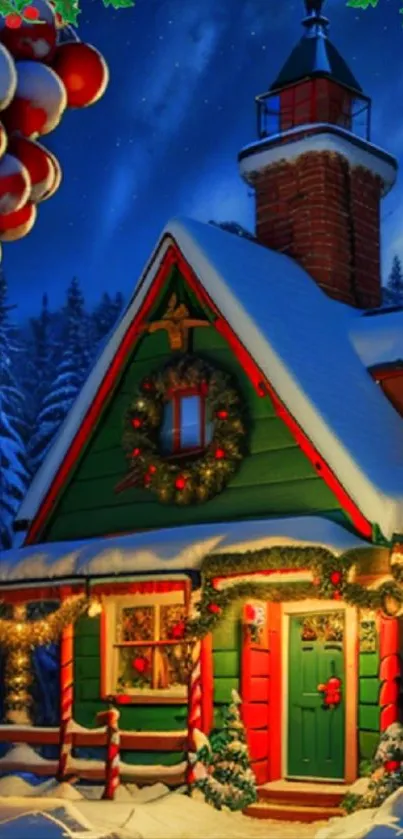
(186, 426)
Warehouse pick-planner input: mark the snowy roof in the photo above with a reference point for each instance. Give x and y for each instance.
(378, 338)
(300, 339)
(169, 550)
(315, 55)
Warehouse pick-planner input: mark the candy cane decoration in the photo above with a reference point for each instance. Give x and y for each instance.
(390, 671)
(66, 701)
(194, 706)
(112, 772)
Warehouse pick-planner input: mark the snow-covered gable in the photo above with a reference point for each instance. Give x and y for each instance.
(301, 341)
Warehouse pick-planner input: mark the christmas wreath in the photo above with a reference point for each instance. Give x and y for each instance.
(191, 479)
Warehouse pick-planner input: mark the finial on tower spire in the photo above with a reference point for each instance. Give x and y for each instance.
(315, 22)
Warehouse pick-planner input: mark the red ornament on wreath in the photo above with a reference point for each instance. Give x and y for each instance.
(337, 595)
(180, 483)
(336, 578)
(222, 415)
(137, 422)
(214, 608)
(219, 454)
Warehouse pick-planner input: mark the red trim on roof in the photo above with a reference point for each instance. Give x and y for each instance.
(388, 372)
(261, 384)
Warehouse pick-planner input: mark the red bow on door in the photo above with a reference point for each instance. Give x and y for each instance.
(331, 692)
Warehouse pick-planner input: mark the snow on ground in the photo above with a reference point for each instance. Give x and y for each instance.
(152, 812)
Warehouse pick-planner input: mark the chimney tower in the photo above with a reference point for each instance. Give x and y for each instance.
(318, 179)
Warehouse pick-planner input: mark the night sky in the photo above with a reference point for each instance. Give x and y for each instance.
(164, 139)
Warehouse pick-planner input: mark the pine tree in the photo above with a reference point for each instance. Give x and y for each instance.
(70, 374)
(42, 365)
(394, 285)
(104, 317)
(13, 468)
(228, 780)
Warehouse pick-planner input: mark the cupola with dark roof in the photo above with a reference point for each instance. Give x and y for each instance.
(318, 179)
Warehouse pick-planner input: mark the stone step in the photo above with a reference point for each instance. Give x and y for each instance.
(307, 797)
(291, 812)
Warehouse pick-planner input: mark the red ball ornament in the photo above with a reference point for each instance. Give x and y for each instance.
(219, 454)
(34, 37)
(214, 608)
(152, 469)
(137, 422)
(56, 176)
(392, 765)
(39, 101)
(15, 184)
(337, 595)
(336, 578)
(140, 664)
(16, 225)
(38, 163)
(222, 415)
(136, 452)
(180, 483)
(178, 630)
(250, 614)
(83, 71)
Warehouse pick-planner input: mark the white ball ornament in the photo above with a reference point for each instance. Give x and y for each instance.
(8, 78)
(15, 185)
(39, 102)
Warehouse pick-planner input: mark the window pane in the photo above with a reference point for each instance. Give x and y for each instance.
(136, 623)
(172, 622)
(175, 665)
(190, 422)
(167, 429)
(134, 668)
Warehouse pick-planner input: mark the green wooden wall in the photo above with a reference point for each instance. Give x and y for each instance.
(368, 698)
(227, 658)
(132, 717)
(275, 478)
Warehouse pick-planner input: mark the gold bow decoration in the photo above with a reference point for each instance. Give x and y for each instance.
(177, 322)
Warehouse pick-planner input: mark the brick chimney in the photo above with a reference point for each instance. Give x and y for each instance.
(318, 180)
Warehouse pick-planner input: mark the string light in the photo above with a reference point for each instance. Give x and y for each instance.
(19, 636)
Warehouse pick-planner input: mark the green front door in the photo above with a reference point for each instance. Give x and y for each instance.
(315, 732)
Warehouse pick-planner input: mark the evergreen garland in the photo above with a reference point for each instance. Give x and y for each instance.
(191, 479)
(330, 582)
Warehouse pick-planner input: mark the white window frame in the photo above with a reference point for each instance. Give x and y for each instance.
(112, 605)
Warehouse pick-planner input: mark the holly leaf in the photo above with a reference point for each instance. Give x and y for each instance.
(8, 8)
(119, 4)
(69, 10)
(362, 4)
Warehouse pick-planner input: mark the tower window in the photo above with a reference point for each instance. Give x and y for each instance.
(186, 426)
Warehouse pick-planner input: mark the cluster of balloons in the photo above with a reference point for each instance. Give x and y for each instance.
(44, 69)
